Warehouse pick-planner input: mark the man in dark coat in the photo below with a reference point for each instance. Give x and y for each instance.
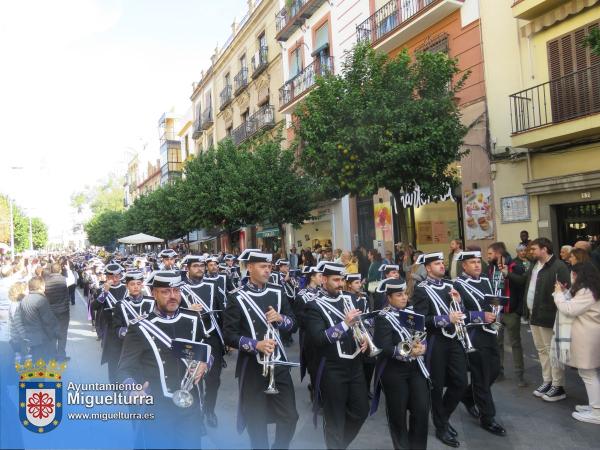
(57, 293)
(39, 324)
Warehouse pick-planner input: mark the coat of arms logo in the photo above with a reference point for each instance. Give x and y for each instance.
(40, 394)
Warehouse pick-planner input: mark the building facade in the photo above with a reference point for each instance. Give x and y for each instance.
(467, 213)
(314, 35)
(544, 101)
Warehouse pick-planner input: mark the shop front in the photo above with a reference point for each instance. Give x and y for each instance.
(569, 207)
(269, 239)
(315, 233)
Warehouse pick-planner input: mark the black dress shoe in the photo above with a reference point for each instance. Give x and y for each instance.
(452, 431)
(494, 428)
(473, 411)
(447, 438)
(211, 420)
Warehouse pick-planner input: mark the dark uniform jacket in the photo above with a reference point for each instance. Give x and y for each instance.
(146, 358)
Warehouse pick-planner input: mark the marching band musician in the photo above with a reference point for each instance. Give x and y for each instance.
(212, 275)
(387, 271)
(447, 366)
(199, 296)
(133, 305)
(232, 272)
(148, 358)
(402, 375)
(340, 382)
(281, 276)
(113, 291)
(167, 257)
(484, 364)
(307, 359)
(254, 315)
(353, 285)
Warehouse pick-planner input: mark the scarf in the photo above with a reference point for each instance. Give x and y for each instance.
(560, 347)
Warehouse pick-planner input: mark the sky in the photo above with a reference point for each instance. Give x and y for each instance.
(84, 82)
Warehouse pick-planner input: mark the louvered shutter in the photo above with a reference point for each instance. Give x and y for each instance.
(575, 75)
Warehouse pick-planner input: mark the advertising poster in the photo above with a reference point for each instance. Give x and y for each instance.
(383, 221)
(477, 204)
(424, 232)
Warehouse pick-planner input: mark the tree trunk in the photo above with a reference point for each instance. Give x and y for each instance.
(401, 220)
(282, 250)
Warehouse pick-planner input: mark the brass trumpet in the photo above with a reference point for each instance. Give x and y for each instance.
(360, 332)
(406, 347)
(461, 328)
(268, 362)
(183, 397)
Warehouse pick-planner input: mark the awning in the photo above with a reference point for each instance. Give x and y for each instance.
(267, 233)
(140, 238)
(556, 15)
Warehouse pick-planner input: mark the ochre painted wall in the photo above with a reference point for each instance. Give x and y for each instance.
(465, 46)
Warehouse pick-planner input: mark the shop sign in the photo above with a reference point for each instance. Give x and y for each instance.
(269, 232)
(417, 199)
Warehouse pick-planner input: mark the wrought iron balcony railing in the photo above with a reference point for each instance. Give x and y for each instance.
(197, 128)
(391, 16)
(240, 81)
(260, 61)
(207, 118)
(292, 16)
(262, 119)
(565, 98)
(226, 96)
(305, 80)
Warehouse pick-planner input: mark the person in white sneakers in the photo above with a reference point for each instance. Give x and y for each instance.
(581, 303)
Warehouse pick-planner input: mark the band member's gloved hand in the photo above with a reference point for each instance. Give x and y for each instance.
(273, 316)
(107, 285)
(455, 316)
(266, 346)
(352, 316)
(417, 350)
(197, 307)
(203, 367)
(489, 317)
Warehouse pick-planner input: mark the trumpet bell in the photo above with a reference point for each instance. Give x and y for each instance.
(405, 349)
(271, 390)
(183, 398)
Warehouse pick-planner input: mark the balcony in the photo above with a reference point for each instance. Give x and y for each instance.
(240, 81)
(296, 87)
(240, 134)
(226, 97)
(530, 9)
(197, 129)
(207, 119)
(560, 110)
(262, 119)
(260, 61)
(289, 19)
(400, 20)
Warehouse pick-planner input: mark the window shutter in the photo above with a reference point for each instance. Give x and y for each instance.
(575, 86)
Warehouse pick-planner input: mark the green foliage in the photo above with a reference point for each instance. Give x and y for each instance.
(107, 195)
(104, 228)
(384, 122)
(21, 228)
(39, 232)
(592, 40)
(218, 188)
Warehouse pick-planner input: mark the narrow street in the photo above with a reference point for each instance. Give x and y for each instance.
(530, 422)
